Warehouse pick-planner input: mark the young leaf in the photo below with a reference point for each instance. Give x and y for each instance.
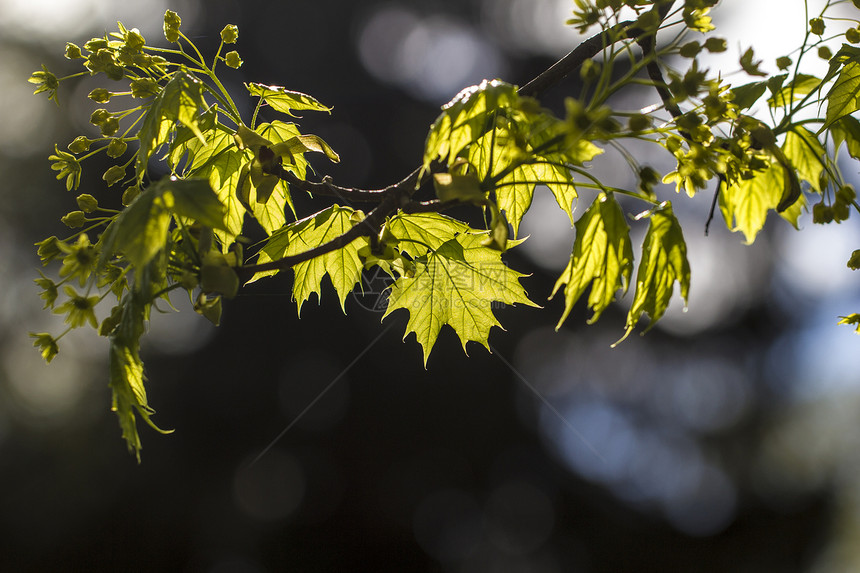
(800, 85)
(284, 100)
(457, 284)
(806, 154)
(847, 130)
(181, 101)
(466, 118)
(844, 96)
(418, 233)
(343, 266)
(664, 262)
(745, 204)
(141, 231)
(747, 94)
(602, 257)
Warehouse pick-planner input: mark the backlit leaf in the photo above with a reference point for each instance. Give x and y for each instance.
(663, 263)
(745, 203)
(806, 154)
(602, 257)
(181, 101)
(343, 266)
(457, 283)
(284, 100)
(844, 96)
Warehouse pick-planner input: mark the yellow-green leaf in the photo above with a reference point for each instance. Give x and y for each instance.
(458, 283)
(806, 154)
(663, 263)
(343, 266)
(284, 100)
(602, 257)
(844, 96)
(745, 203)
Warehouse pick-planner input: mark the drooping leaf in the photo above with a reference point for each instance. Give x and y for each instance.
(806, 154)
(663, 263)
(602, 257)
(745, 203)
(125, 366)
(284, 100)
(844, 96)
(747, 94)
(847, 130)
(457, 283)
(343, 265)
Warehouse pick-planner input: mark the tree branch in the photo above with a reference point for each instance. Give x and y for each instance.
(588, 49)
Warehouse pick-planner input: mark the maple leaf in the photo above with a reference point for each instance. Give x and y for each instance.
(602, 256)
(457, 283)
(343, 266)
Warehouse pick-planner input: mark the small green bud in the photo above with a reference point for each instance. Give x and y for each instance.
(73, 52)
(74, 219)
(853, 35)
(144, 87)
(49, 249)
(96, 44)
(109, 127)
(114, 175)
(87, 203)
(822, 214)
(230, 34)
(825, 53)
(590, 71)
(99, 116)
(716, 45)
(783, 62)
(816, 26)
(134, 40)
(116, 147)
(846, 194)
(638, 122)
(80, 144)
(841, 211)
(854, 261)
(130, 194)
(690, 50)
(172, 22)
(232, 59)
(100, 95)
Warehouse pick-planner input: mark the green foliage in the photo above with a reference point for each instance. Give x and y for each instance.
(490, 150)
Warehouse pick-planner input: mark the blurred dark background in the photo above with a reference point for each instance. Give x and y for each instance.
(726, 439)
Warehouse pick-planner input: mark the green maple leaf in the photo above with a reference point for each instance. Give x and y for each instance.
(806, 154)
(466, 118)
(843, 98)
(418, 233)
(664, 262)
(180, 101)
(284, 100)
(343, 266)
(456, 283)
(745, 203)
(602, 257)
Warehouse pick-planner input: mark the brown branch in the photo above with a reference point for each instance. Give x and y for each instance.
(588, 49)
